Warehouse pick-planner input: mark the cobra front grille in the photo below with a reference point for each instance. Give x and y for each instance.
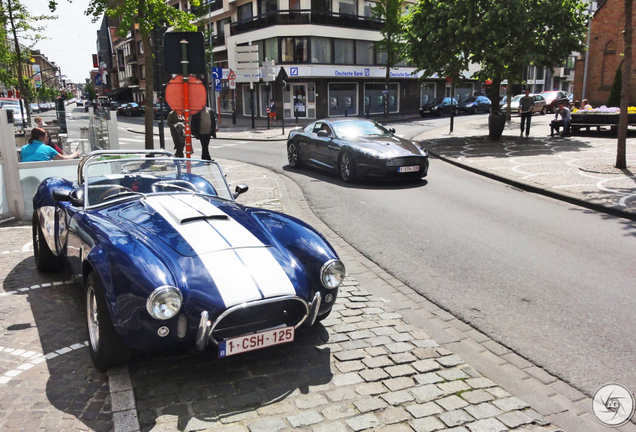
(406, 161)
(257, 317)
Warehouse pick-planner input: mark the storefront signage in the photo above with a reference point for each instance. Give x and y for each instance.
(349, 72)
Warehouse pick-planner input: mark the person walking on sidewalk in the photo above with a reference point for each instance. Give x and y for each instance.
(204, 127)
(525, 111)
(177, 131)
(555, 124)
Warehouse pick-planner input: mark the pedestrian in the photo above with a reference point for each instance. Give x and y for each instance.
(203, 127)
(176, 123)
(37, 149)
(525, 111)
(555, 124)
(272, 111)
(585, 105)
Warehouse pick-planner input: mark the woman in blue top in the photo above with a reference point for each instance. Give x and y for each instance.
(37, 150)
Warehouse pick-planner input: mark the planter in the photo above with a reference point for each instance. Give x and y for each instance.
(496, 125)
(600, 119)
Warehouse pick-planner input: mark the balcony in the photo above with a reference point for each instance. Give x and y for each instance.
(293, 17)
(131, 58)
(130, 82)
(205, 7)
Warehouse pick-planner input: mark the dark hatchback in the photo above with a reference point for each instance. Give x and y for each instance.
(474, 104)
(439, 106)
(158, 110)
(357, 148)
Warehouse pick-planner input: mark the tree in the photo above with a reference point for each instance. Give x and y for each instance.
(147, 14)
(90, 90)
(621, 152)
(501, 36)
(21, 27)
(392, 43)
(614, 98)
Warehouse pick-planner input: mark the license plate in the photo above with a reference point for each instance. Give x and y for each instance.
(409, 168)
(256, 341)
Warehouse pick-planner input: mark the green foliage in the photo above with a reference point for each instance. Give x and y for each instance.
(614, 99)
(88, 88)
(501, 36)
(390, 11)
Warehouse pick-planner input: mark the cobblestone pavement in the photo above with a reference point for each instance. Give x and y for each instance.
(575, 167)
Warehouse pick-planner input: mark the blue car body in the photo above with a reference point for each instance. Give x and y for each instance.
(262, 266)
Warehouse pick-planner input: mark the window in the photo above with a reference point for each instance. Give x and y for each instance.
(364, 52)
(368, 5)
(374, 97)
(220, 29)
(140, 47)
(320, 50)
(294, 50)
(427, 92)
(245, 12)
(348, 7)
(343, 51)
(271, 49)
(321, 5)
(343, 99)
(268, 6)
(142, 72)
(294, 4)
(380, 57)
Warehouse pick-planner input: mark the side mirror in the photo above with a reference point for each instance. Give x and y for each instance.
(392, 130)
(323, 134)
(61, 195)
(240, 189)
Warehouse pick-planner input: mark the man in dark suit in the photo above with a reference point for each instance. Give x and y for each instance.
(203, 125)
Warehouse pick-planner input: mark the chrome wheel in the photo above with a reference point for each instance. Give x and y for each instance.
(292, 154)
(347, 169)
(92, 315)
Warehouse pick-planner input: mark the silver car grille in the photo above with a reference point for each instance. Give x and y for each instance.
(406, 161)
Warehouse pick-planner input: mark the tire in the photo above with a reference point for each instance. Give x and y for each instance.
(347, 168)
(293, 156)
(45, 259)
(456, 112)
(475, 110)
(543, 110)
(105, 346)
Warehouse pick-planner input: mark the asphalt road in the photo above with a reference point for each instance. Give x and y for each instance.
(552, 281)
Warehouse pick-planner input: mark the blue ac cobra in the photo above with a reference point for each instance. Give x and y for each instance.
(168, 258)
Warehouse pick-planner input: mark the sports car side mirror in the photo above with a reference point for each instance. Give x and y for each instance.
(392, 130)
(323, 134)
(61, 195)
(240, 189)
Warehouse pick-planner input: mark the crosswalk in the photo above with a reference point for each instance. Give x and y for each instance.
(135, 142)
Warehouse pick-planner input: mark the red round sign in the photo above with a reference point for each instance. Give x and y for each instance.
(196, 92)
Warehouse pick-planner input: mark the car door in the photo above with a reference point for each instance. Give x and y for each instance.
(324, 145)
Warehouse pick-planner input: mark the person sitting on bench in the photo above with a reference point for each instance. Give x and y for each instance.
(555, 124)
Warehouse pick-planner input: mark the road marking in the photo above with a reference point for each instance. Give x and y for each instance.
(34, 359)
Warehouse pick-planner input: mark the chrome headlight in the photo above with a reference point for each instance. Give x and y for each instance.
(164, 302)
(332, 274)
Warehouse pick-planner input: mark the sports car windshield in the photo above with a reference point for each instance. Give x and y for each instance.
(113, 179)
(353, 129)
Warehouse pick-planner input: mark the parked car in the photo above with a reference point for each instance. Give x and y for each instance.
(121, 108)
(157, 111)
(43, 106)
(35, 108)
(474, 104)
(79, 103)
(440, 106)
(553, 98)
(171, 260)
(134, 109)
(356, 148)
(114, 105)
(538, 104)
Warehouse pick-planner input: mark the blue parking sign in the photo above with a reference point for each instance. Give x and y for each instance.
(217, 74)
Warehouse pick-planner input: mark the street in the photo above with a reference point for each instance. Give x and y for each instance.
(545, 278)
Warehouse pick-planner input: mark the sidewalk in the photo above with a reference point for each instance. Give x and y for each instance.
(576, 169)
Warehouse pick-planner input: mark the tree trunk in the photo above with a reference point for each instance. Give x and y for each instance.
(18, 53)
(150, 77)
(386, 85)
(494, 103)
(621, 156)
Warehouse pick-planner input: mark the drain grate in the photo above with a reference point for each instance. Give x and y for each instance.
(514, 188)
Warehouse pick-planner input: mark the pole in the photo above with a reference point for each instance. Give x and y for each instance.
(267, 102)
(252, 102)
(186, 98)
(587, 52)
(159, 76)
(282, 94)
(452, 113)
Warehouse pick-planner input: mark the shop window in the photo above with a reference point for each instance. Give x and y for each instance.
(374, 98)
(343, 99)
(427, 92)
(463, 92)
(247, 101)
(265, 94)
(320, 50)
(364, 52)
(343, 51)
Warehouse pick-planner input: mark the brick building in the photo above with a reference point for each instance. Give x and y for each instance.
(605, 49)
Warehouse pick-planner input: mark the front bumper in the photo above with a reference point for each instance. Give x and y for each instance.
(263, 315)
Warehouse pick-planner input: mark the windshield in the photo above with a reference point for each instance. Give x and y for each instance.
(470, 99)
(113, 179)
(551, 94)
(516, 98)
(352, 129)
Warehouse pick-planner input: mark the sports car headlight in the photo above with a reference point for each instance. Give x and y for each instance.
(332, 274)
(164, 302)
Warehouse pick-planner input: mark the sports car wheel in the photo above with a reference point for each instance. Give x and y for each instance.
(543, 111)
(292, 155)
(45, 259)
(347, 168)
(105, 345)
(474, 110)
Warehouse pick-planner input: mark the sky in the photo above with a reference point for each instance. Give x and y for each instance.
(72, 37)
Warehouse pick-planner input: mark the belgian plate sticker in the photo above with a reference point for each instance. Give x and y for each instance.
(256, 341)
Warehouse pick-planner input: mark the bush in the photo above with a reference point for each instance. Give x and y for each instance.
(615, 93)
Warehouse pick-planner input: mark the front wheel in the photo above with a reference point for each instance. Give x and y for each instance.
(45, 259)
(347, 168)
(293, 155)
(543, 110)
(105, 345)
(475, 110)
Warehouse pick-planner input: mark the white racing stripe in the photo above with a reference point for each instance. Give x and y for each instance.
(242, 268)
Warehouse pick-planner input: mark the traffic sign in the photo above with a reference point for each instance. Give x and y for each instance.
(196, 93)
(231, 75)
(217, 74)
